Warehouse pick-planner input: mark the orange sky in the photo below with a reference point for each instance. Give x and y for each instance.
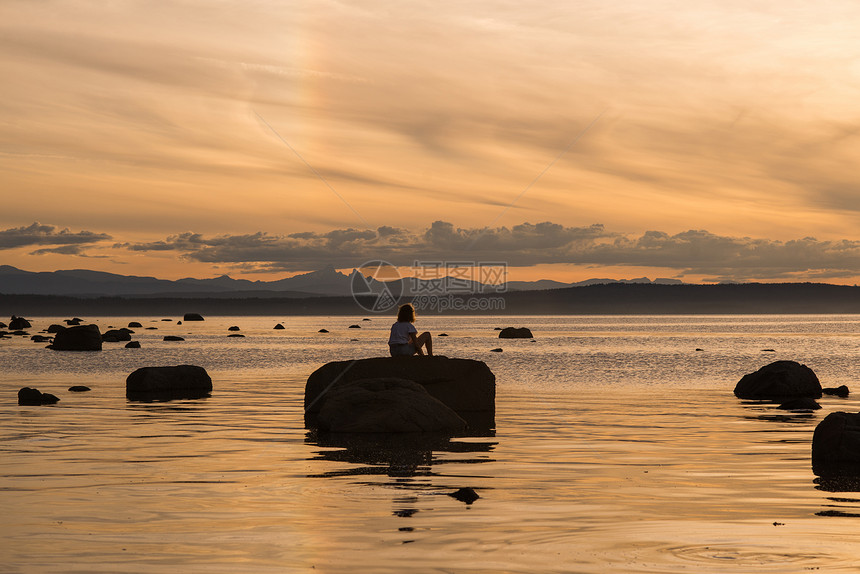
(707, 140)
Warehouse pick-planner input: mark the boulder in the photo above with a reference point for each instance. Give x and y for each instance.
(134, 325)
(515, 333)
(78, 338)
(466, 386)
(840, 391)
(132, 345)
(779, 381)
(192, 317)
(278, 327)
(385, 405)
(173, 338)
(116, 335)
(836, 445)
(165, 383)
(54, 328)
(30, 396)
(18, 323)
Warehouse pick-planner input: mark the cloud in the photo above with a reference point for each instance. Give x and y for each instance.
(690, 253)
(38, 234)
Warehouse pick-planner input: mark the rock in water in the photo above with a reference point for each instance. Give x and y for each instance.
(78, 338)
(173, 338)
(836, 445)
(18, 323)
(515, 333)
(192, 317)
(466, 386)
(279, 327)
(134, 325)
(354, 327)
(116, 336)
(779, 381)
(132, 345)
(31, 396)
(55, 328)
(165, 383)
(801, 404)
(323, 331)
(79, 389)
(234, 328)
(467, 495)
(840, 391)
(497, 350)
(385, 406)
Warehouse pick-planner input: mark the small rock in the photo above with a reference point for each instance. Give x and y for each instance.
(31, 396)
(279, 327)
(73, 322)
(152, 328)
(496, 350)
(40, 339)
(801, 404)
(21, 333)
(132, 345)
(365, 319)
(323, 331)
(179, 322)
(192, 317)
(497, 328)
(167, 319)
(54, 328)
(236, 335)
(116, 336)
(768, 350)
(840, 391)
(19, 323)
(466, 495)
(135, 325)
(233, 328)
(515, 333)
(173, 338)
(355, 326)
(700, 349)
(443, 334)
(3, 325)
(79, 389)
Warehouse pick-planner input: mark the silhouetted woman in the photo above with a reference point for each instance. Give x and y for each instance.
(405, 340)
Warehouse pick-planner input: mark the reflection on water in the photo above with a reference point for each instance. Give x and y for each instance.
(618, 448)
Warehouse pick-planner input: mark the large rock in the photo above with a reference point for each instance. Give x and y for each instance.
(165, 383)
(385, 406)
(78, 338)
(466, 386)
(18, 323)
(836, 445)
(515, 333)
(779, 381)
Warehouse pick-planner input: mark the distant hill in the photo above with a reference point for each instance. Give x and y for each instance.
(327, 281)
(600, 299)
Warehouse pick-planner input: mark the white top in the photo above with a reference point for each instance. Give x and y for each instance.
(400, 333)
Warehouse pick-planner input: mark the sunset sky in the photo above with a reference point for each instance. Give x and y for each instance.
(703, 140)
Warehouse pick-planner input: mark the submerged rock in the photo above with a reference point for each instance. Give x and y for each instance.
(385, 406)
(467, 495)
(836, 445)
(173, 338)
(78, 338)
(515, 333)
(236, 335)
(779, 381)
(31, 396)
(79, 389)
(466, 386)
(192, 317)
(801, 404)
(165, 383)
(840, 391)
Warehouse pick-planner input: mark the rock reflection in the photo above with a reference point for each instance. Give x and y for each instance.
(394, 455)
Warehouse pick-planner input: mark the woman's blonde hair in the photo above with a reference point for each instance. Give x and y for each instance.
(406, 314)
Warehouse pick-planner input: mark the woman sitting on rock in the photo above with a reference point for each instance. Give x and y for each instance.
(405, 340)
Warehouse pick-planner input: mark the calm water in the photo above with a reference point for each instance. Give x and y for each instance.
(618, 448)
